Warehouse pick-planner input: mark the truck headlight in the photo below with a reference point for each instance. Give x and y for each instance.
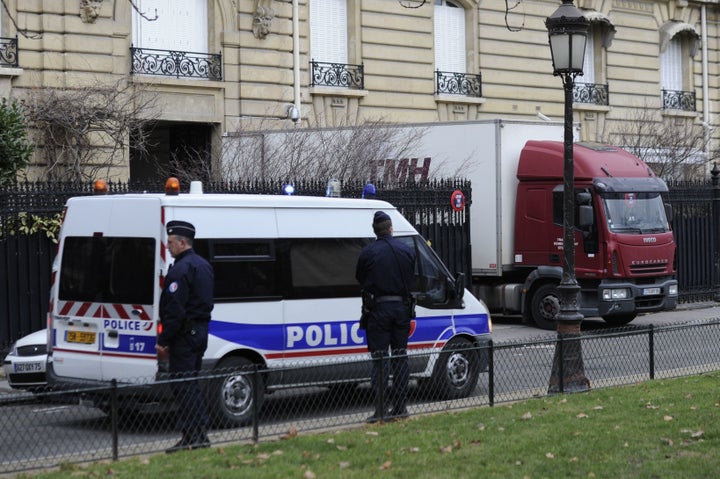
(673, 290)
(613, 294)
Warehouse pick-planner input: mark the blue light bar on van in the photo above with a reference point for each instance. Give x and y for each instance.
(288, 189)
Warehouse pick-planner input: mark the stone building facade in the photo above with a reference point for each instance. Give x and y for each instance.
(216, 67)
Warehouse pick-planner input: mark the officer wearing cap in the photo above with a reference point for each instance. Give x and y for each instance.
(185, 306)
(386, 271)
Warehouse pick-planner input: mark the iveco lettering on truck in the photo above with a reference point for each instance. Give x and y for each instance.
(285, 295)
(625, 250)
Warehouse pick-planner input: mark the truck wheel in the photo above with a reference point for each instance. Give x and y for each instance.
(545, 306)
(456, 371)
(231, 401)
(618, 320)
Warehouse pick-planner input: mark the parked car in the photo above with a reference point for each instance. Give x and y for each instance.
(25, 363)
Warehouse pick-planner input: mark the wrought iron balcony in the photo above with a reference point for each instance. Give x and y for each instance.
(8, 52)
(337, 74)
(678, 100)
(452, 83)
(592, 93)
(169, 63)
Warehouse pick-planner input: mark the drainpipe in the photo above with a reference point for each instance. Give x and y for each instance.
(296, 58)
(705, 88)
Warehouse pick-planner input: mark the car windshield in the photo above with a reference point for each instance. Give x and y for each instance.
(635, 213)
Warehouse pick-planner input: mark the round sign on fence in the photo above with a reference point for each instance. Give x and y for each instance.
(457, 200)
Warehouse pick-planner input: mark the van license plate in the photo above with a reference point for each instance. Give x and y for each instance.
(29, 367)
(80, 337)
(650, 291)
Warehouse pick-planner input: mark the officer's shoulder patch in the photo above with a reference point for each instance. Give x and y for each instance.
(173, 287)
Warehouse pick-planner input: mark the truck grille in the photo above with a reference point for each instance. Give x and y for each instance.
(657, 268)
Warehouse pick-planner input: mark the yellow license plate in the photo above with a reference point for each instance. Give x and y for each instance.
(80, 337)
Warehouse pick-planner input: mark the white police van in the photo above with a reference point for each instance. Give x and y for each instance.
(285, 295)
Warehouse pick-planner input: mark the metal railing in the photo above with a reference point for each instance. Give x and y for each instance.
(454, 83)
(9, 52)
(678, 100)
(337, 75)
(592, 93)
(178, 64)
(49, 428)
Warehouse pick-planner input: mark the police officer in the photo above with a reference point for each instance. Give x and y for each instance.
(386, 269)
(185, 306)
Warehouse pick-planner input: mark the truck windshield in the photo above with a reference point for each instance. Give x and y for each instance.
(638, 213)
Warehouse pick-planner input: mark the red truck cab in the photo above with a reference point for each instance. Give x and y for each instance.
(624, 245)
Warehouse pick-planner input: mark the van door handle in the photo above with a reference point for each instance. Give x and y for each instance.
(113, 334)
(136, 312)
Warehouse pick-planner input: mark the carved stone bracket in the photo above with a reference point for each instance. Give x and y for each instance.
(262, 18)
(90, 10)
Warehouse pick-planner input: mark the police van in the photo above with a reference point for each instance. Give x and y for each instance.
(285, 295)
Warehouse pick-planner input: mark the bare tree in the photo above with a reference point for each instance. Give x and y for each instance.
(674, 147)
(84, 133)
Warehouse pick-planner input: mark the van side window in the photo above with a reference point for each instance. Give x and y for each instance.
(324, 267)
(244, 269)
(105, 269)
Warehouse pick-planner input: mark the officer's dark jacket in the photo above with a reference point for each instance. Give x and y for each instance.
(380, 273)
(187, 295)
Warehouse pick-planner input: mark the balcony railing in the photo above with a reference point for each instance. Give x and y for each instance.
(337, 75)
(592, 93)
(169, 63)
(9, 52)
(678, 100)
(452, 83)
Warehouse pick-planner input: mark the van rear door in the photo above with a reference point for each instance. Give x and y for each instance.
(106, 296)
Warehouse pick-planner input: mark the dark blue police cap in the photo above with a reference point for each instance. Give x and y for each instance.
(181, 228)
(380, 216)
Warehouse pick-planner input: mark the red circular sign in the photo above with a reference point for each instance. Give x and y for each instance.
(457, 200)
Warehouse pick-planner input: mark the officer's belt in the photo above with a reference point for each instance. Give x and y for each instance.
(388, 299)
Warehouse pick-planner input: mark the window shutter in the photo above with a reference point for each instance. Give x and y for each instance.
(328, 31)
(671, 66)
(181, 25)
(589, 61)
(449, 37)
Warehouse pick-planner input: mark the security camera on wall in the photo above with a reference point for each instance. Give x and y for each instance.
(293, 113)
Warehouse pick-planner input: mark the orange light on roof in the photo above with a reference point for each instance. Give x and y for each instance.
(100, 187)
(172, 186)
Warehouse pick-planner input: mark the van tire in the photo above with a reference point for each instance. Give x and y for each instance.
(231, 396)
(457, 370)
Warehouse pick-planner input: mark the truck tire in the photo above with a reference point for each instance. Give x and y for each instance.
(545, 306)
(618, 320)
(456, 370)
(231, 396)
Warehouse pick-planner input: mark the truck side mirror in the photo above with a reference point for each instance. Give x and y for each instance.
(586, 216)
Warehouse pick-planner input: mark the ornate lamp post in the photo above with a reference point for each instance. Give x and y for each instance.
(567, 31)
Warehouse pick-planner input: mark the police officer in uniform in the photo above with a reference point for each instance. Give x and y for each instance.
(386, 271)
(185, 306)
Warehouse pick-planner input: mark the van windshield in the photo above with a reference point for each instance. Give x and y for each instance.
(107, 270)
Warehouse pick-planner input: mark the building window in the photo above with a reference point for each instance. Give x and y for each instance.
(450, 39)
(181, 25)
(678, 46)
(592, 88)
(328, 31)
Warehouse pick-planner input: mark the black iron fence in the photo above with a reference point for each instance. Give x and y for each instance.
(9, 52)
(83, 424)
(178, 64)
(26, 259)
(454, 83)
(592, 93)
(341, 75)
(678, 100)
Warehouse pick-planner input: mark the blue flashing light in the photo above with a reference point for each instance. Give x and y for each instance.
(369, 191)
(288, 189)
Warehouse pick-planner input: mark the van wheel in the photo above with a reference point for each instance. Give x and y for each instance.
(545, 306)
(231, 398)
(456, 371)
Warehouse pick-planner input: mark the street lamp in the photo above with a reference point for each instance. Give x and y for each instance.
(567, 32)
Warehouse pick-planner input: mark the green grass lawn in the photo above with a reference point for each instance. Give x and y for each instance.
(656, 429)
